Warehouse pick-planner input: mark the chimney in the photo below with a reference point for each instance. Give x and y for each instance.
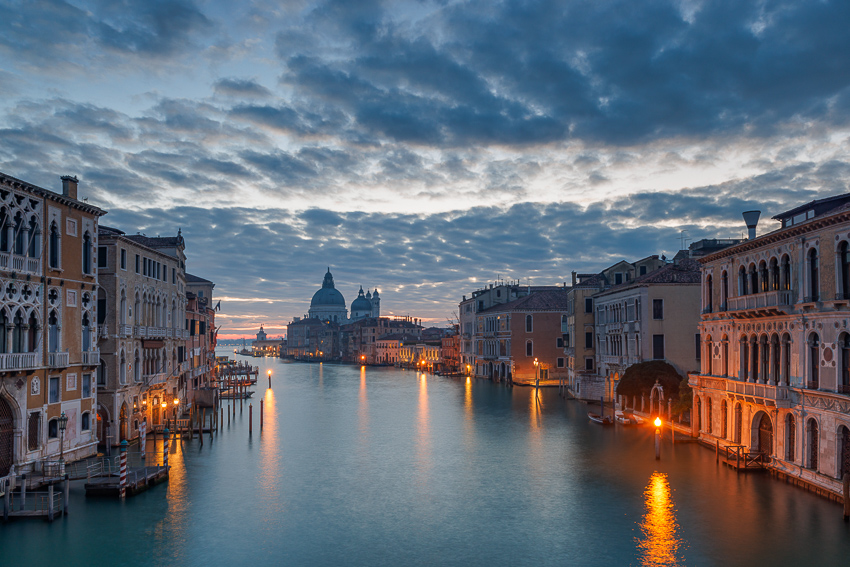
(69, 186)
(751, 218)
(574, 278)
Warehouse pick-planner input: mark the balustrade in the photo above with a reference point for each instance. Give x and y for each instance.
(19, 361)
(58, 359)
(90, 358)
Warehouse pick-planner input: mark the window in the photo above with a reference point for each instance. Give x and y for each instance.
(658, 309)
(709, 293)
(85, 422)
(144, 266)
(101, 256)
(560, 363)
(588, 363)
(529, 326)
(588, 305)
(559, 342)
(138, 262)
(643, 270)
(529, 348)
(203, 327)
(53, 243)
(814, 278)
(567, 340)
(174, 279)
(618, 278)
(588, 340)
(698, 344)
(87, 265)
(86, 386)
(34, 431)
(658, 347)
(53, 390)
(123, 259)
(52, 429)
(814, 361)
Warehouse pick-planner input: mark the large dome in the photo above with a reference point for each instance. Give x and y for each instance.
(328, 295)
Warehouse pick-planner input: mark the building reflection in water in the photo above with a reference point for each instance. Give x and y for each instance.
(270, 452)
(363, 410)
(659, 544)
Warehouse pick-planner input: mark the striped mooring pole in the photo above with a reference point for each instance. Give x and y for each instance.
(165, 434)
(144, 434)
(122, 485)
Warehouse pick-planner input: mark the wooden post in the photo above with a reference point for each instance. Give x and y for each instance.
(67, 493)
(191, 423)
(200, 430)
(49, 503)
(221, 417)
(261, 415)
(846, 496)
(738, 460)
(6, 495)
(23, 491)
(717, 452)
(165, 451)
(250, 419)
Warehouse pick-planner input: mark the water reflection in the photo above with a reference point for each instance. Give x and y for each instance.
(423, 430)
(270, 452)
(363, 409)
(660, 544)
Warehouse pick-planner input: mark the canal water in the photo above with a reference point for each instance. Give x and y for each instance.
(380, 466)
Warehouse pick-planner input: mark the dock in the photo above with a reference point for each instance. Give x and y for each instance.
(23, 503)
(740, 458)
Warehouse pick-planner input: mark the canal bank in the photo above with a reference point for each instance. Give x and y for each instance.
(376, 466)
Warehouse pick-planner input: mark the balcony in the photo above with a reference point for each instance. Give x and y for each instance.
(125, 330)
(765, 394)
(58, 359)
(765, 304)
(139, 331)
(154, 379)
(16, 263)
(19, 361)
(90, 358)
(611, 359)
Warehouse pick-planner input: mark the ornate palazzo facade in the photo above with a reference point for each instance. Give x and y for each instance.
(775, 368)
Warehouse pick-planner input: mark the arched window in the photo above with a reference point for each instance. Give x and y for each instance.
(724, 418)
(745, 360)
(137, 368)
(739, 418)
(4, 320)
(786, 273)
(529, 324)
(724, 290)
(764, 279)
(19, 234)
(34, 239)
(709, 353)
(709, 294)
(697, 412)
(4, 230)
(776, 361)
(790, 437)
(708, 416)
(122, 312)
(844, 344)
(87, 264)
(814, 361)
(725, 353)
(53, 245)
(814, 276)
(754, 279)
(52, 332)
(812, 442)
(32, 333)
(774, 274)
(742, 281)
(122, 369)
(844, 266)
(18, 332)
(136, 313)
(86, 333)
(754, 359)
(529, 348)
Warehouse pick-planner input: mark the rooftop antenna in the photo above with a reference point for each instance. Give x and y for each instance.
(683, 237)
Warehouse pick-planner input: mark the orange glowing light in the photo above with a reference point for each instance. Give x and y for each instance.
(657, 422)
(164, 405)
(176, 401)
(660, 543)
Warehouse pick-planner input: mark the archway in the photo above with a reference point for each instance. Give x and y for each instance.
(763, 433)
(7, 437)
(102, 426)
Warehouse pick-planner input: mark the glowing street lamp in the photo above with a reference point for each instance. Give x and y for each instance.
(657, 438)
(536, 373)
(270, 377)
(63, 423)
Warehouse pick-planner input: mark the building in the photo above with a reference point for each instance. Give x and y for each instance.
(521, 341)
(450, 354)
(775, 372)
(651, 317)
(583, 381)
(328, 304)
(48, 325)
(199, 366)
(388, 347)
(143, 298)
(359, 338)
(264, 346)
(313, 339)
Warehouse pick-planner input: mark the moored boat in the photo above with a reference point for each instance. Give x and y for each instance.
(600, 419)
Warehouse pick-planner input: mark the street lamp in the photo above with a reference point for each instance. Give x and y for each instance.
(63, 423)
(536, 373)
(270, 377)
(657, 438)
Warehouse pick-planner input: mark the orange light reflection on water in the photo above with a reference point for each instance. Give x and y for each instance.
(659, 544)
(423, 441)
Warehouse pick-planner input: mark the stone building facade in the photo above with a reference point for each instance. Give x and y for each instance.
(48, 324)
(775, 374)
(142, 343)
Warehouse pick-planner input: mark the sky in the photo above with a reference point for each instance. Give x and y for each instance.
(425, 148)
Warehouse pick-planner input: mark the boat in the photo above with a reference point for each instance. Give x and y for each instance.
(627, 418)
(600, 419)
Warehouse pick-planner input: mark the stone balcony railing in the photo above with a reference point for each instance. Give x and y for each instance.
(19, 361)
(16, 263)
(58, 359)
(611, 359)
(777, 298)
(153, 379)
(125, 330)
(90, 358)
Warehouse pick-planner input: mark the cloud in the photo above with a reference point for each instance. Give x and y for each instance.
(247, 88)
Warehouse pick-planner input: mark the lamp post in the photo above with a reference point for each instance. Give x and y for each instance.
(270, 377)
(176, 405)
(63, 423)
(536, 373)
(657, 438)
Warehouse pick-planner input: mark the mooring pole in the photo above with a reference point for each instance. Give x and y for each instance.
(122, 479)
(67, 490)
(23, 491)
(261, 415)
(846, 496)
(165, 453)
(250, 419)
(49, 503)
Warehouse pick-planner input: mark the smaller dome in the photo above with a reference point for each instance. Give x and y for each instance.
(361, 303)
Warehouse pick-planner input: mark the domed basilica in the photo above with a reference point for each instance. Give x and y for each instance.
(328, 304)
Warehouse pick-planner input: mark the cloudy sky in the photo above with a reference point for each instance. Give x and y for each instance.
(424, 147)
